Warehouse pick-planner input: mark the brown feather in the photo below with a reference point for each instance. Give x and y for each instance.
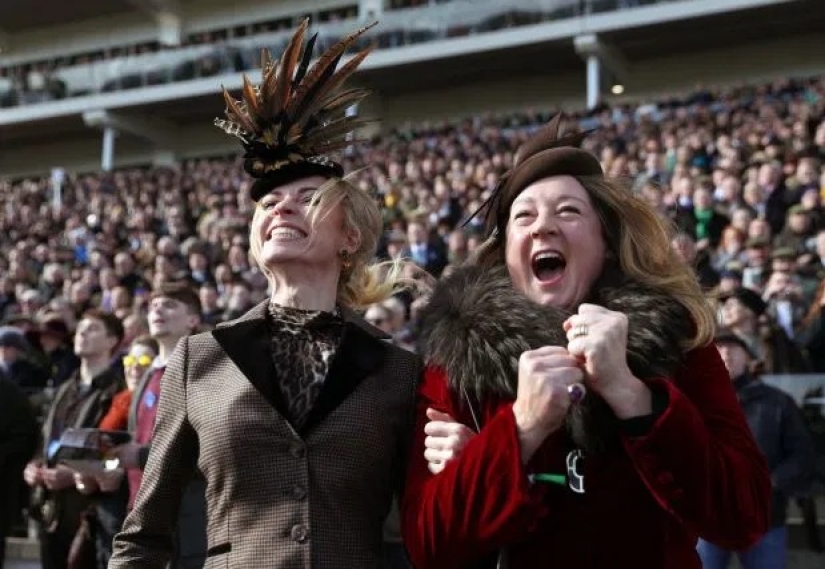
(321, 68)
(236, 114)
(301, 115)
(266, 61)
(283, 83)
(267, 88)
(333, 131)
(251, 99)
(341, 100)
(546, 137)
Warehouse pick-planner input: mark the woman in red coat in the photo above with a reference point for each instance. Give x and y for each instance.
(578, 347)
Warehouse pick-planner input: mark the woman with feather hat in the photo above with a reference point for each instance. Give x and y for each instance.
(299, 413)
(594, 420)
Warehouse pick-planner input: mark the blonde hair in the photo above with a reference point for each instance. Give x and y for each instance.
(362, 281)
(638, 238)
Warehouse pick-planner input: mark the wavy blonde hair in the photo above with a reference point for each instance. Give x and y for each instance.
(362, 281)
(638, 238)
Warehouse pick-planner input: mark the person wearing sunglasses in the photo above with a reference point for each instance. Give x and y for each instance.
(136, 362)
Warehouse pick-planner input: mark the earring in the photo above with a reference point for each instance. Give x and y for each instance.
(346, 262)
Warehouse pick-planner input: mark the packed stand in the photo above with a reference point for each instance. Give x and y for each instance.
(740, 173)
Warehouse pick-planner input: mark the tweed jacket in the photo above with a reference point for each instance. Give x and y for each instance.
(276, 497)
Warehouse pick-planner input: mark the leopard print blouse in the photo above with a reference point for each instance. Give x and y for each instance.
(304, 342)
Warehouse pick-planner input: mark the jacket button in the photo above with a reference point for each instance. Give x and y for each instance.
(665, 478)
(297, 451)
(299, 533)
(299, 492)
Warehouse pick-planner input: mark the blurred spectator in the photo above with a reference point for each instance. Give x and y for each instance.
(15, 365)
(686, 248)
(174, 313)
(18, 441)
(60, 508)
(797, 231)
(701, 221)
(425, 250)
(780, 432)
(55, 341)
(812, 335)
(744, 312)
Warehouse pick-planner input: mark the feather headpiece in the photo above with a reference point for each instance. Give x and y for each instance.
(543, 155)
(297, 115)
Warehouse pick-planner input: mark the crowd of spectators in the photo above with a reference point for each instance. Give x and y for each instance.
(739, 172)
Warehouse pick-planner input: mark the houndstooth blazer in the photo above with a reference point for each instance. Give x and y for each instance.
(276, 498)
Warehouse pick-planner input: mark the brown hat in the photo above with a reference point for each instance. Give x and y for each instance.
(543, 155)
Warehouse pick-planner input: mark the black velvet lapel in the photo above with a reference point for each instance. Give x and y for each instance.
(360, 355)
(247, 342)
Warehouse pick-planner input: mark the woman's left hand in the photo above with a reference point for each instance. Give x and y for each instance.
(598, 337)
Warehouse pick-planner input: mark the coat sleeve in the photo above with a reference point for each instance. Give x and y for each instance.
(794, 472)
(146, 540)
(481, 501)
(700, 460)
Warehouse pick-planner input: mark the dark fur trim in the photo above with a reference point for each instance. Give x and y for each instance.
(476, 326)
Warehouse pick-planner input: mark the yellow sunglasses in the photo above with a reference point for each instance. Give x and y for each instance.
(131, 361)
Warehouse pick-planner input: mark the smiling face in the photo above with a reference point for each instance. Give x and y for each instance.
(288, 229)
(554, 245)
(135, 364)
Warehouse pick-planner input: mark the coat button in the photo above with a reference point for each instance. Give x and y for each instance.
(299, 492)
(297, 451)
(299, 533)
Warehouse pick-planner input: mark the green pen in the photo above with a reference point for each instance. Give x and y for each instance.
(559, 479)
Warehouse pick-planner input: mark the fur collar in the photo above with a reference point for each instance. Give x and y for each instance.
(476, 326)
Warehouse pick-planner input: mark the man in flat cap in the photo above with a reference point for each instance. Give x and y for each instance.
(779, 429)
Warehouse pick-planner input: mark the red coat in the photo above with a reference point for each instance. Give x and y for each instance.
(697, 472)
(117, 418)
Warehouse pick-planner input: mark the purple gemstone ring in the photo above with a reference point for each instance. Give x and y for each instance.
(577, 391)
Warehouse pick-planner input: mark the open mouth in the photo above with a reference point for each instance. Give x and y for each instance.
(548, 266)
(286, 233)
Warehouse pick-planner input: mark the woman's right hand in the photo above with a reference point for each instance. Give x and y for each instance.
(542, 402)
(445, 440)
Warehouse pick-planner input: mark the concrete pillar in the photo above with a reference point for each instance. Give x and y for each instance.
(370, 9)
(108, 153)
(170, 29)
(593, 80)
